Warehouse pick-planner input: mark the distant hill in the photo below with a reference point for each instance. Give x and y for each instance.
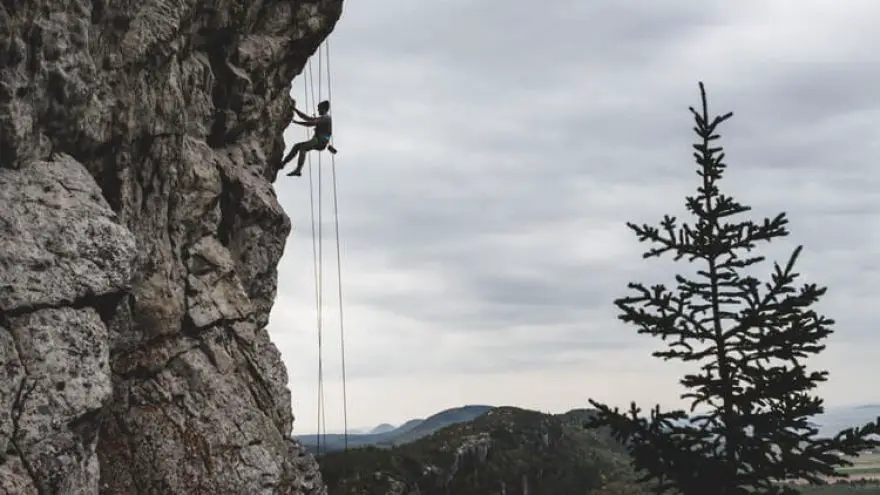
(409, 425)
(416, 430)
(410, 431)
(383, 428)
(838, 418)
(505, 450)
(834, 419)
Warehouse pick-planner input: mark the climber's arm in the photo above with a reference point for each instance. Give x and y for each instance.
(306, 124)
(302, 115)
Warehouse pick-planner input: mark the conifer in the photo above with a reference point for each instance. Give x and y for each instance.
(753, 394)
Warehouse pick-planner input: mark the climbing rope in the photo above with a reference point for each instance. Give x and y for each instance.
(338, 263)
(318, 268)
(321, 403)
(318, 249)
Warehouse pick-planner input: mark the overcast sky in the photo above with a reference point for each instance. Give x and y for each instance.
(490, 154)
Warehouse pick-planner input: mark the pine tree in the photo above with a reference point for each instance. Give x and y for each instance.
(750, 341)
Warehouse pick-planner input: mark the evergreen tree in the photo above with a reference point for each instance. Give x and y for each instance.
(750, 341)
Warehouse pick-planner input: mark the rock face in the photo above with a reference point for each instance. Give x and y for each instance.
(139, 238)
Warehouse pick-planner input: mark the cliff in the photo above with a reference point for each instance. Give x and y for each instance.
(139, 238)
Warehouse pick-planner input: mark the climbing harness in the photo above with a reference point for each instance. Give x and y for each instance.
(318, 248)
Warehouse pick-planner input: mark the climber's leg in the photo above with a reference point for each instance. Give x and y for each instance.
(293, 152)
(304, 147)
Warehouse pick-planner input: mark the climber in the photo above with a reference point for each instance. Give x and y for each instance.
(323, 125)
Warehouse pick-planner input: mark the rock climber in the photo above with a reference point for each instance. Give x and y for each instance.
(323, 124)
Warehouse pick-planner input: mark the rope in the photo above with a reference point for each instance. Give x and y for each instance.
(318, 268)
(322, 405)
(318, 251)
(338, 264)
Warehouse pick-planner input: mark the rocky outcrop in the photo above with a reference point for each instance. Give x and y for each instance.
(139, 238)
(65, 264)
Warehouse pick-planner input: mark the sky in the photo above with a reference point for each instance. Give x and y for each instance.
(490, 154)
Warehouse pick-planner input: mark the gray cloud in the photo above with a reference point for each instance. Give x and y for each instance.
(492, 151)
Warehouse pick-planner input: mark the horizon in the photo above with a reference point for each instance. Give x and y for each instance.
(486, 173)
(396, 424)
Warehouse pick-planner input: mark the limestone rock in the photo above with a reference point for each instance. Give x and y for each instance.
(64, 353)
(139, 239)
(214, 292)
(59, 240)
(64, 260)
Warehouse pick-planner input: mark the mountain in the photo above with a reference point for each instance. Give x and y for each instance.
(505, 450)
(841, 417)
(835, 418)
(409, 425)
(407, 432)
(433, 423)
(383, 428)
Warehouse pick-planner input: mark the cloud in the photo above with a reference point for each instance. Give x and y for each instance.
(491, 153)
